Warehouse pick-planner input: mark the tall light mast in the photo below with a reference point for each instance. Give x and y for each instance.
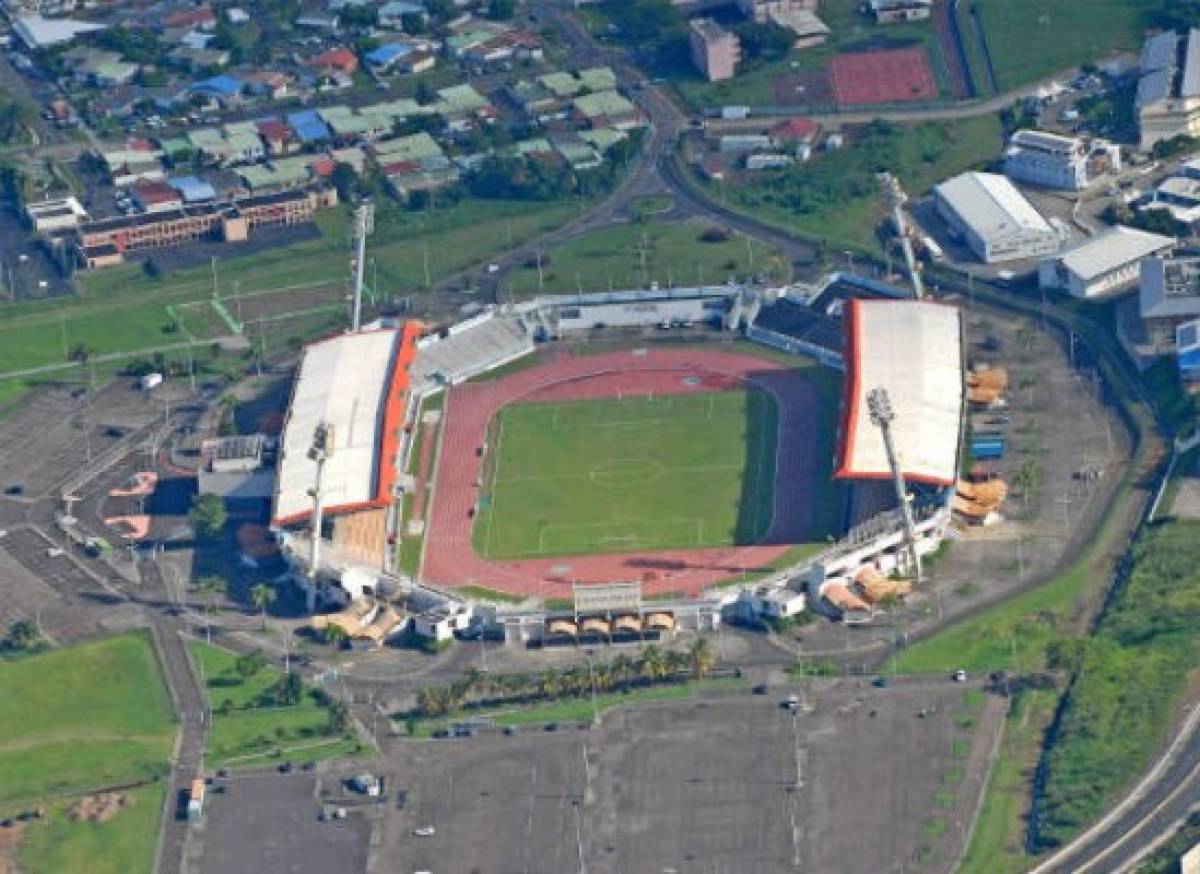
(879, 405)
(364, 225)
(320, 452)
(896, 198)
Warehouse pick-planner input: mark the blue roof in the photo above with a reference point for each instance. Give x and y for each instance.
(193, 190)
(308, 126)
(224, 85)
(1190, 360)
(385, 54)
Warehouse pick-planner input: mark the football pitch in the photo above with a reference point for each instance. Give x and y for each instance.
(623, 474)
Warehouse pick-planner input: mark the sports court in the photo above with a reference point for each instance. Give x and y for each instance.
(889, 76)
(615, 474)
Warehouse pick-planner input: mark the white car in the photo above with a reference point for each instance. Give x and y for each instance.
(960, 676)
(425, 831)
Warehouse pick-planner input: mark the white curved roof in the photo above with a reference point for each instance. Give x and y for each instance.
(343, 382)
(990, 204)
(913, 350)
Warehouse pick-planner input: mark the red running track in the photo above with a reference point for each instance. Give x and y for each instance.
(450, 559)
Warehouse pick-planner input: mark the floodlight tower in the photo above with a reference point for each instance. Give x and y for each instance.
(364, 225)
(896, 198)
(879, 405)
(320, 452)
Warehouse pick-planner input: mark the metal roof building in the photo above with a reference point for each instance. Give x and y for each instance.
(1103, 265)
(39, 33)
(913, 349)
(357, 386)
(994, 218)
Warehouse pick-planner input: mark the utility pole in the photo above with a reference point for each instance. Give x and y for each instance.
(364, 224)
(879, 405)
(896, 198)
(320, 452)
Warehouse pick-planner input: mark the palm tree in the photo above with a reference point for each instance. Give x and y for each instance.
(212, 588)
(335, 635)
(550, 683)
(623, 669)
(263, 596)
(653, 664)
(702, 658)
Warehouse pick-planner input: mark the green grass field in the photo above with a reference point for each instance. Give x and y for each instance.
(610, 475)
(1030, 40)
(611, 258)
(83, 718)
(123, 845)
(250, 736)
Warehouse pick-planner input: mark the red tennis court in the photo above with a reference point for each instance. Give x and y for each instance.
(891, 76)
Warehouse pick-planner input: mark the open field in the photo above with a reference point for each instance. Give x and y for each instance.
(123, 309)
(1030, 40)
(249, 732)
(82, 718)
(612, 258)
(836, 197)
(611, 475)
(123, 845)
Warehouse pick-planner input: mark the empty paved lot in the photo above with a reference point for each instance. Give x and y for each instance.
(730, 783)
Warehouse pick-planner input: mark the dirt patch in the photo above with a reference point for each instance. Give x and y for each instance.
(10, 842)
(98, 808)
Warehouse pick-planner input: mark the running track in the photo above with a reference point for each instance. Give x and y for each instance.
(449, 558)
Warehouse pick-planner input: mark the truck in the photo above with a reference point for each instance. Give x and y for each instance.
(195, 806)
(151, 380)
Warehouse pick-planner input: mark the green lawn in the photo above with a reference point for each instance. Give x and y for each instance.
(835, 196)
(249, 735)
(612, 258)
(1030, 40)
(83, 718)
(123, 845)
(123, 310)
(581, 709)
(609, 475)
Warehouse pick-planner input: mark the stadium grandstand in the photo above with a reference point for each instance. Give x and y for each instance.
(364, 391)
(914, 351)
(355, 387)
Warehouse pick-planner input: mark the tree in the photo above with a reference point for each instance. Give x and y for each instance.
(208, 516)
(211, 588)
(344, 179)
(424, 94)
(335, 635)
(501, 10)
(263, 596)
(339, 717)
(23, 636)
(702, 658)
(290, 689)
(250, 664)
(80, 353)
(763, 42)
(653, 664)
(431, 701)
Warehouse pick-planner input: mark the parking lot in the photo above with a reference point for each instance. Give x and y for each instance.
(871, 780)
(267, 823)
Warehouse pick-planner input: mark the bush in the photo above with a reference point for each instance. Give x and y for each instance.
(714, 234)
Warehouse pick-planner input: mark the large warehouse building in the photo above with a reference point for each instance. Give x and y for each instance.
(356, 388)
(913, 350)
(1103, 265)
(994, 219)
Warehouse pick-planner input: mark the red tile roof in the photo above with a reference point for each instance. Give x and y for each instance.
(154, 192)
(796, 129)
(275, 130)
(341, 59)
(200, 17)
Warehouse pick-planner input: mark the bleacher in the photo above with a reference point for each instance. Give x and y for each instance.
(470, 348)
(801, 323)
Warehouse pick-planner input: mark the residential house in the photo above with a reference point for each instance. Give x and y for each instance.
(192, 189)
(156, 195)
(199, 18)
(196, 60)
(126, 166)
(271, 84)
(309, 127)
(339, 60)
(607, 109)
(277, 136)
(225, 89)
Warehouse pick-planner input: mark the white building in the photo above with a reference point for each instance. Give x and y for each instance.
(61, 214)
(1056, 161)
(1178, 195)
(888, 11)
(1168, 94)
(994, 219)
(41, 33)
(1103, 265)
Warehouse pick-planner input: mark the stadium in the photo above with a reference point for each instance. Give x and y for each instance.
(700, 448)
